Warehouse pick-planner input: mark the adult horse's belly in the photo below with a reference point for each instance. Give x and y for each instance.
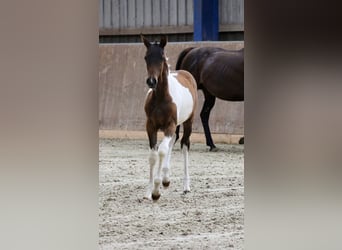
(224, 79)
(225, 89)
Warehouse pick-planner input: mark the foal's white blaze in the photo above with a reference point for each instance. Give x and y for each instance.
(182, 97)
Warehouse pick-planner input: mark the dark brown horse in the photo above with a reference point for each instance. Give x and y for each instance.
(170, 101)
(219, 73)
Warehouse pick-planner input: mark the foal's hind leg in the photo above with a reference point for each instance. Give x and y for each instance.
(208, 104)
(185, 140)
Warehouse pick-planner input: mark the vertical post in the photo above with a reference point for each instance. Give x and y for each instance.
(198, 20)
(206, 20)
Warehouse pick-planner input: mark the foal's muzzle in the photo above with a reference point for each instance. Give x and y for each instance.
(151, 82)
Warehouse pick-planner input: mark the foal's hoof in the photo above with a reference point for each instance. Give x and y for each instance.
(242, 140)
(166, 183)
(155, 197)
(186, 191)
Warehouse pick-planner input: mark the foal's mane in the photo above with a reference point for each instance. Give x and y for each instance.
(156, 43)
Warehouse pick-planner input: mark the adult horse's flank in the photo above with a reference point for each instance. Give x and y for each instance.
(219, 73)
(170, 101)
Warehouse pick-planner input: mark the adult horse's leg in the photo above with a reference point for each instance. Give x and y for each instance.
(152, 136)
(209, 102)
(187, 127)
(177, 132)
(166, 163)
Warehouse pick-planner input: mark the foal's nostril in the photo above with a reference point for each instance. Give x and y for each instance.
(151, 82)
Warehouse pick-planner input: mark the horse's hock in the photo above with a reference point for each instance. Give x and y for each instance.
(122, 89)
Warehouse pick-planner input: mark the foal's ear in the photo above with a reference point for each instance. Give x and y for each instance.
(163, 41)
(145, 41)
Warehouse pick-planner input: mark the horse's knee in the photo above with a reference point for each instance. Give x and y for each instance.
(205, 111)
(153, 157)
(164, 146)
(205, 114)
(162, 150)
(209, 103)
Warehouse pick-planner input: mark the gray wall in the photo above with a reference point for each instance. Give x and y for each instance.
(132, 17)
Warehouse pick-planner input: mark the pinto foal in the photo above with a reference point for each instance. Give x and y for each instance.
(170, 101)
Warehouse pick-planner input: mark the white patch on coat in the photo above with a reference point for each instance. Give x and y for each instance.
(182, 97)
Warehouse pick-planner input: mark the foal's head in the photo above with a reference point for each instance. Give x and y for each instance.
(155, 60)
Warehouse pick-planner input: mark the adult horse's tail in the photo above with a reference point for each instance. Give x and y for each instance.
(178, 65)
(181, 57)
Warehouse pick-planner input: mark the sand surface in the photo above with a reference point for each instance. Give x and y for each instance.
(209, 217)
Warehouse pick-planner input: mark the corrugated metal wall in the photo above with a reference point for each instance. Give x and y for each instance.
(122, 14)
(124, 20)
(231, 15)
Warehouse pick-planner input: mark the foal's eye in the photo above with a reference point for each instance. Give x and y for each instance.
(145, 57)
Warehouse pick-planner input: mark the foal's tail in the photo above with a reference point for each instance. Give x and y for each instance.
(181, 57)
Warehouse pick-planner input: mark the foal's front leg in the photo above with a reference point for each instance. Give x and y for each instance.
(153, 158)
(166, 163)
(163, 151)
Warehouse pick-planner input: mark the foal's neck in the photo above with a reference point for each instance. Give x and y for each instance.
(162, 90)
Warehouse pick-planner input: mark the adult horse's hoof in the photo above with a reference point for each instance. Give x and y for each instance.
(186, 191)
(166, 183)
(213, 149)
(155, 197)
(242, 140)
